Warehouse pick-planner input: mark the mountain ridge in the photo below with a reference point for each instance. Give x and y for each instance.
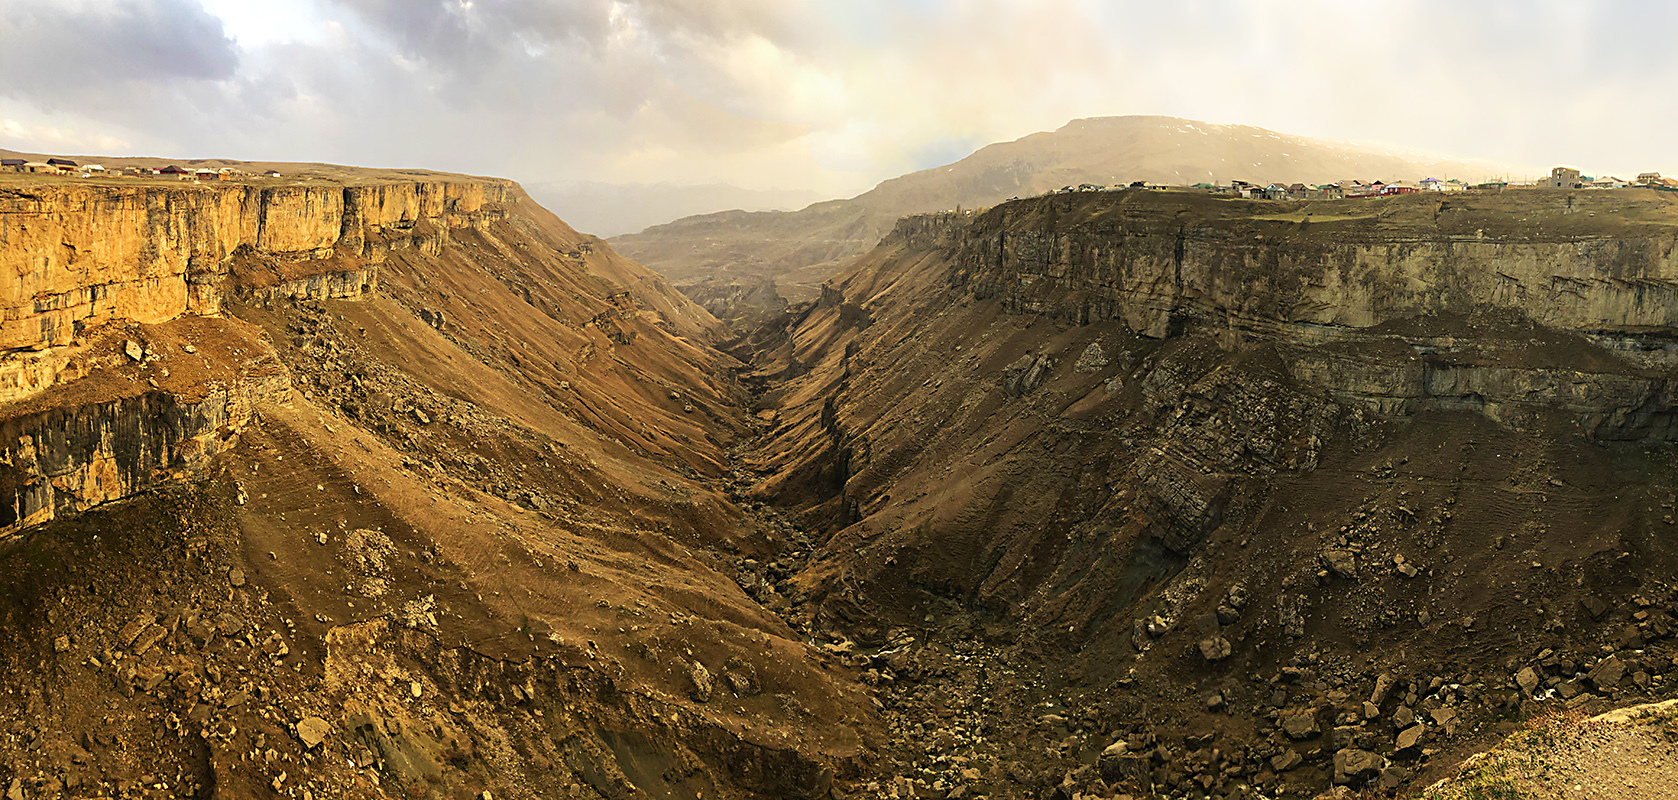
(798, 250)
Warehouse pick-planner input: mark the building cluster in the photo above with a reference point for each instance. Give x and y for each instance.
(64, 166)
(1560, 178)
(1338, 189)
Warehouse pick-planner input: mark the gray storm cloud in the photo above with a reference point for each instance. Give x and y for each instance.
(54, 55)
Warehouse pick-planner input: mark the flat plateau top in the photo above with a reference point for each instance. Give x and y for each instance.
(1523, 214)
(291, 173)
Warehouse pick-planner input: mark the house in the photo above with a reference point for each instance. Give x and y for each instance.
(206, 175)
(1607, 182)
(1430, 184)
(12, 164)
(1454, 185)
(1563, 178)
(179, 173)
(1298, 191)
(1354, 188)
(271, 174)
(63, 164)
(1649, 178)
(39, 166)
(1400, 187)
(1275, 191)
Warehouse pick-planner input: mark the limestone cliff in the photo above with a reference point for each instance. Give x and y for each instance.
(87, 269)
(1591, 262)
(1328, 281)
(1179, 459)
(74, 256)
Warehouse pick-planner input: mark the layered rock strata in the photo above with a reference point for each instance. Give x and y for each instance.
(91, 275)
(73, 257)
(1400, 305)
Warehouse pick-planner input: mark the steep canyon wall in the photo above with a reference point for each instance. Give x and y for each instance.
(88, 270)
(1373, 304)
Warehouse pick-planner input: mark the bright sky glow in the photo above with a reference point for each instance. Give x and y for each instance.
(799, 94)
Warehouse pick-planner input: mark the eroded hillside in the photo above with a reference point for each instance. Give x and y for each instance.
(1152, 492)
(378, 487)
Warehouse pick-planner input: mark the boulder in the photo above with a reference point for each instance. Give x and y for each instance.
(1092, 359)
(1403, 717)
(1356, 766)
(1026, 373)
(1341, 562)
(1285, 760)
(1607, 673)
(1299, 726)
(1527, 679)
(311, 731)
(1410, 737)
(1215, 648)
(131, 631)
(1383, 685)
(703, 685)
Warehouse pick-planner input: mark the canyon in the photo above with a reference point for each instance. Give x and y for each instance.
(366, 486)
(1208, 497)
(363, 484)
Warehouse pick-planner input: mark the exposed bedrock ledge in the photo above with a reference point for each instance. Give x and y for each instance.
(69, 459)
(1149, 270)
(119, 424)
(1399, 317)
(74, 256)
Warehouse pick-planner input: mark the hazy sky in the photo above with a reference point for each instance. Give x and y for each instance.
(831, 96)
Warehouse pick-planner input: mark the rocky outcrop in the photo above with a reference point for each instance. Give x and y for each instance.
(74, 257)
(78, 261)
(68, 459)
(1155, 262)
(1390, 310)
(146, 405)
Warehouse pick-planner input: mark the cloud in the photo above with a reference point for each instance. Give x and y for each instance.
(73, 52)
(46, 137)
(831, 96)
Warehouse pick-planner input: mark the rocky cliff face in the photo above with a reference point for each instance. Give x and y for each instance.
(73, 257)
(1144, 447)
(131, 423)
(1342, 292)
(82, 265)
(1153, 261)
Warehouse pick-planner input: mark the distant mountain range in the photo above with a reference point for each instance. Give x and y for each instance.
(800, 249)
(610, 209)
